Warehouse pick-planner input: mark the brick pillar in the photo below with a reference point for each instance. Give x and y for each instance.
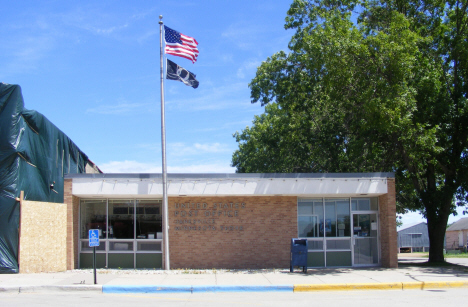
(388, 232)
(72, 224)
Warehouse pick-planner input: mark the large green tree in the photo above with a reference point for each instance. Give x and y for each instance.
(370, 86)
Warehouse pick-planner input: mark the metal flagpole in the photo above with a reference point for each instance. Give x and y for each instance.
(164, 167)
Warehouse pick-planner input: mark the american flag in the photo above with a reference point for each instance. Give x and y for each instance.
(180, 45)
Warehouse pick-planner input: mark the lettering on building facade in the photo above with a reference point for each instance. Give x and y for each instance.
(203, 217)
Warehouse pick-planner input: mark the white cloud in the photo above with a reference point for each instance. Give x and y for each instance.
(227, 126)
(147, 35)
(129, 167)
(95, 20)
(109, 30)
(139, 167)
(215, 98)
(245, 36)
(411, 218)
(248, 67)
(227, 57)
(24, 53)
(254, 37)
(27, 42)
(182, 149)
(202, 168)
(121, 108)
(150, 146)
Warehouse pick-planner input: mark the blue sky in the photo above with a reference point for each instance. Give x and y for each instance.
(92, 68)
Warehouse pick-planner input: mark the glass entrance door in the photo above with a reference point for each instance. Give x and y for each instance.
(365, 243)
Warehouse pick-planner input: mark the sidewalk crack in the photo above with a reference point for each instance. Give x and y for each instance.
(267, 279)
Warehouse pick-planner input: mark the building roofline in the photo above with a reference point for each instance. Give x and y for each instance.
(234, 175)
(461, 224)
(410, 226)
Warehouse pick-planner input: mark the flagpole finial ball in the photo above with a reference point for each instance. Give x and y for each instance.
(160, 16)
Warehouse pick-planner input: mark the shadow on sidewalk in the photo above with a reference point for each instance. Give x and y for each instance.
(419, 268)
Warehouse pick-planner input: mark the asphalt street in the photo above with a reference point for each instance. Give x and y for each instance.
(427, 298)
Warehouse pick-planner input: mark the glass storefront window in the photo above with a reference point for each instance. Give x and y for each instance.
(121, 219)
(335, 236)
(365, 204)
(365, 225)
(127, 219)
(93, 216)
(337, 218)
(365, 231)
(310, 217)
(315, 245)
(148, 219)
(121, 246)
(330, 219)
(308, 226)
(374, 204)
(130, 233)
(343, 219)
(338, 244)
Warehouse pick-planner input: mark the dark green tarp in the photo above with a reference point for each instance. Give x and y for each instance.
(34, 156)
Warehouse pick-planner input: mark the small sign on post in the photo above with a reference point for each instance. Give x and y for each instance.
(93, 237)
(93, 242)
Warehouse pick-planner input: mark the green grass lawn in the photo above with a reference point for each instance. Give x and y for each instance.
(426, 255)
(462, 255)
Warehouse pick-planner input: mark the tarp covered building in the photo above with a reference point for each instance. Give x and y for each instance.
(34, 156)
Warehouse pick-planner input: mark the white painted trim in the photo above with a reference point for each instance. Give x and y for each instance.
(301, 187)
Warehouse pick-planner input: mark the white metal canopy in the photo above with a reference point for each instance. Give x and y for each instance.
(150, 185)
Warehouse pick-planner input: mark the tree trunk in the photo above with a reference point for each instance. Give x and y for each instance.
(436, 226)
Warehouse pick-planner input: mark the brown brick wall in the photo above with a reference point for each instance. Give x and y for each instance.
(246, 232)
(388, 232)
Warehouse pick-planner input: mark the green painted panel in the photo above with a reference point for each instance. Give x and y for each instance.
(148, 261)
(338, 259)
(123, 261)
(86, 260)
(315, 259)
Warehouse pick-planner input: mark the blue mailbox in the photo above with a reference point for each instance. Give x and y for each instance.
(299, 248)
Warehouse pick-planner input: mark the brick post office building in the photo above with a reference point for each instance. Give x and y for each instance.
(232, 221)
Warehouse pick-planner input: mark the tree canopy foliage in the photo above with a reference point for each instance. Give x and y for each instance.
(369, 86)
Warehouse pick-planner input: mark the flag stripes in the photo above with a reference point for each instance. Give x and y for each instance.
(181, 45)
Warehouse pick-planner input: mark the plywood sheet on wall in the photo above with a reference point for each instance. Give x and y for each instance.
(43, 237)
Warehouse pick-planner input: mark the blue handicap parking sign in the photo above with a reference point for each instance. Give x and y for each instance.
(93, 237)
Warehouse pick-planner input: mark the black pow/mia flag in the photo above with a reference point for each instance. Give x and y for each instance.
(176, 72)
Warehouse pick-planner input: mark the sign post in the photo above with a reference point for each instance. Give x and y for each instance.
(93, 242)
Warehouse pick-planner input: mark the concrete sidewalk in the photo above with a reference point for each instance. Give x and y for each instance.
(407, 276)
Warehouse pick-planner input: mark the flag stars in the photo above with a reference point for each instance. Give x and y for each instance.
(180, 45)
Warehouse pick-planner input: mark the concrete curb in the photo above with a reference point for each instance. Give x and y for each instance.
(434, 284)
(245, 288)
(192, 289)
(9, 289)
(416, 285)
(51, 288)
(348, 287)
